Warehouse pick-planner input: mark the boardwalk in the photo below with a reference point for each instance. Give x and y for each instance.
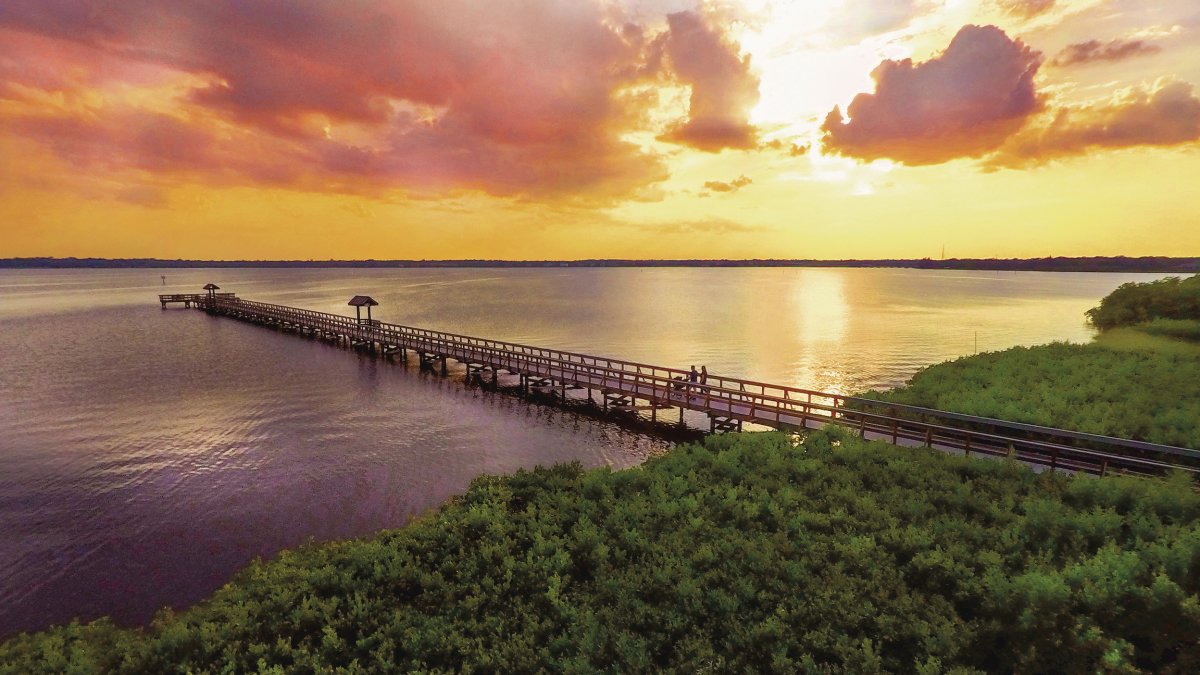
(727, 401)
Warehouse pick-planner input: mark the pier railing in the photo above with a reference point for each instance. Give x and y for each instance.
(731, 398)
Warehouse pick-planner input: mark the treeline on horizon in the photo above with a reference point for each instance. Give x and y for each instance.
(1053, 264)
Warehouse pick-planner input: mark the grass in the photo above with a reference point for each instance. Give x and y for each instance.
(1135, 339)
(1128, 384)
(744, 553)
(1179, 329)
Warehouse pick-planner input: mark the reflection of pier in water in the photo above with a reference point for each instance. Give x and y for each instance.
(728, 402)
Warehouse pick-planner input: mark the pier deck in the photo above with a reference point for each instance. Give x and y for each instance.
(727, 401)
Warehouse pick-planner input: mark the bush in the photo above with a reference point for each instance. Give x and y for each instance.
(741, 554)
(1141, 394)
(1133, 303)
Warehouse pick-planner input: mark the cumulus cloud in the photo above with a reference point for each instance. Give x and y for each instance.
(724, 88)
(1026, 8)
(730, 186)
(119, 139)
(962, 103)
(1166, 115)
(516, 98)
(1095, 50)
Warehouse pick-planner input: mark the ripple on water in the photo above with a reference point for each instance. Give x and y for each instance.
(147, 454)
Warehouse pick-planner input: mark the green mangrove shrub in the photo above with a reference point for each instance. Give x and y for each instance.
(744, 553)
(1135, 303)
(1148, 395)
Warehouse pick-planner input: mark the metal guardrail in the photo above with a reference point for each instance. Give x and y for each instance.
(770, 405)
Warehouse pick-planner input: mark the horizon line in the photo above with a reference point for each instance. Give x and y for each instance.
(587, 260)
(1109, 264)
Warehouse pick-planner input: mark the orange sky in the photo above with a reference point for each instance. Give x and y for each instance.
(534, 129)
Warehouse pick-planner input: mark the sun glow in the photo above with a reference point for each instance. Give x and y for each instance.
(607, 129)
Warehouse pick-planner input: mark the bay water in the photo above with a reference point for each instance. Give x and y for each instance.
(147, 455)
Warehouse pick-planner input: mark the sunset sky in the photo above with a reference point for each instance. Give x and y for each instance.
(565, 129)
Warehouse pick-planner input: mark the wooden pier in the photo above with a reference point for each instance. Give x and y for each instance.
(729, 402)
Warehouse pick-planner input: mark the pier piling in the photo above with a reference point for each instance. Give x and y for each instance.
(728, 402)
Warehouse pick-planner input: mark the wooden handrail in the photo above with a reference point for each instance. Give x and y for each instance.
(739, 398)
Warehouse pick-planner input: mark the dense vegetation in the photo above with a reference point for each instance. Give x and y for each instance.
(744, 553)
(1132, 303)
(1180, 329)
(1148, 394)
(1137, 380)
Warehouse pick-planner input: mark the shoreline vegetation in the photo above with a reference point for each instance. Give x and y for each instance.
(1136, 379)
(1148, 264)
(1133, 305)
(760, 552)
(748, 552)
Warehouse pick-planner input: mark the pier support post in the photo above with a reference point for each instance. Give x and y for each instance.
(445, 371)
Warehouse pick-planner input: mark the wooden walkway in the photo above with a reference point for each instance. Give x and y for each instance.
(727, 401)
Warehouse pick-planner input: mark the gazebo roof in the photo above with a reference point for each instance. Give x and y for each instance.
(211, 287)
(362, 301)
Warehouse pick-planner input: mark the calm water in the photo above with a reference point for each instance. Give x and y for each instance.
(146, 455)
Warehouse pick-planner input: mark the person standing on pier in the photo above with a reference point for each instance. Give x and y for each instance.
(694, 376)
(703, 374)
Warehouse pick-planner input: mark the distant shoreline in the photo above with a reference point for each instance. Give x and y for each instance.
(1057, 264)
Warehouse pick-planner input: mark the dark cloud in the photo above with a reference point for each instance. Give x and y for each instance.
(962, 103)
(1166, 116)
(513, 97)
(724, 88)
(122, 139)
(1095, 50)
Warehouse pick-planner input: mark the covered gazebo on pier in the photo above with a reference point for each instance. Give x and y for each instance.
(360, 301)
